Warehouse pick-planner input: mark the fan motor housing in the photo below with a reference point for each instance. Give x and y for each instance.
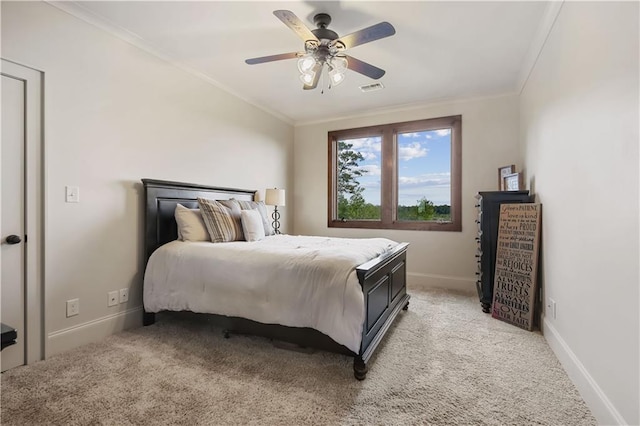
(322, 21)
(325, 34)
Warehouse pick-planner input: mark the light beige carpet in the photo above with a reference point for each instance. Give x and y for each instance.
(444, 362)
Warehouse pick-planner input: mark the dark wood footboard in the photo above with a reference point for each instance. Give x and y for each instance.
(383, 279)
(384, 285)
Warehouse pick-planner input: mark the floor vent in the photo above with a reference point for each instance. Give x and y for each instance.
(371, 87)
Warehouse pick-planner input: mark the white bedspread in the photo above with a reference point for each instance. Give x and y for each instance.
(296, 281)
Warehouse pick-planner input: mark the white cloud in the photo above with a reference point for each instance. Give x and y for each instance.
(431, 179)
(427, 134)
(372, 169)
(412, 135)
(368, 155)
(369, 148)
(371, 185)
(366, 144)
(435, 187)
(410, 151)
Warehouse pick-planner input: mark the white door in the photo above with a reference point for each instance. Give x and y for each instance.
(12, 249)
(21, 207)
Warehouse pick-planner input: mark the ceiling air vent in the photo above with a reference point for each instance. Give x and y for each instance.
(371, 87)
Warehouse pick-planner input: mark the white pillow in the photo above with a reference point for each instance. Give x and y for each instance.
(191, 227)
(252, 225)
(262, 209)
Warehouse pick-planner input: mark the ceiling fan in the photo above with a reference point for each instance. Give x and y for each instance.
(323, 46)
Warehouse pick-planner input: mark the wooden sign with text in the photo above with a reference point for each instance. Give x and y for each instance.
(515, 281)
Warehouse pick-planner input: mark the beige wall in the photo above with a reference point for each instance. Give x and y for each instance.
(113, 115)
(580, 135)
(438, 259)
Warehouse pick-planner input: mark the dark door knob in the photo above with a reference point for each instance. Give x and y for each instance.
(13, 239)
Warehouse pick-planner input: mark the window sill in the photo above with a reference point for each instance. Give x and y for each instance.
(405, 226)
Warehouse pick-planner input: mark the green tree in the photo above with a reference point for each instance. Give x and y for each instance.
(423, 210)
(443, 210)
(351, 203)
(349, 168)
(426, 209)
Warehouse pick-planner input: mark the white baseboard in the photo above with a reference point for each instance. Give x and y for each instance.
(428, 281)
(601, 408)
(92, 331)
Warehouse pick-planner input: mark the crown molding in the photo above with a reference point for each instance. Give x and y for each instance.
(539, 40)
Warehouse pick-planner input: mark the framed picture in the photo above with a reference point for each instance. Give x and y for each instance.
(502, 172)
(511, 182)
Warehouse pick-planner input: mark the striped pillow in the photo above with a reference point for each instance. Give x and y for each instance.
(258, 205)
(219, 221)
(234, 207)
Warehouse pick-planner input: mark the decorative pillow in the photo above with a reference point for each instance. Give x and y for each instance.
(191, 227)
(234, 207)
(219, 221)
(258, 205)
(252, 225)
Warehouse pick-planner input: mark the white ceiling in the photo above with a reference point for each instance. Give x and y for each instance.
(441, 50)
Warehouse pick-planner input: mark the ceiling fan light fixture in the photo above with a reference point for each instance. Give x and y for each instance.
(307, 77)
(324, 47)
(339, 63)
(306, 63)
(336, 76)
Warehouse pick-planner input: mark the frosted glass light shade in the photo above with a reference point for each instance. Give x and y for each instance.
(274, 197)
(307, 78)
(340, 64)
(336, 77)
(306, 63)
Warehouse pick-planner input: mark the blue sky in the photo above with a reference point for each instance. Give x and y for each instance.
(424, 166)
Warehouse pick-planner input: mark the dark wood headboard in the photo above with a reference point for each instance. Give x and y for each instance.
(161, 197)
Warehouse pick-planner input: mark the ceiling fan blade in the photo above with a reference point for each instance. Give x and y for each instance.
(293, 22)
(318, 70)
(364, 68)
(365, 35)
(280, 57)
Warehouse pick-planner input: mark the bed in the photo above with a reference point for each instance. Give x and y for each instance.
(381, 279)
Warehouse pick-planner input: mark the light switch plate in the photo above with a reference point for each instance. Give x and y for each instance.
(72, 194)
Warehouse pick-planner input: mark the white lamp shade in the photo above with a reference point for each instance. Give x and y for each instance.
(274, 197)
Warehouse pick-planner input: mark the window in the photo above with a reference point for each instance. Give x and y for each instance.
(397, 176)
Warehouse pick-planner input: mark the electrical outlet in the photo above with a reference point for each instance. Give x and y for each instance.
(113, 298)
(124, 295)
(551, 308)
(73, 307)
